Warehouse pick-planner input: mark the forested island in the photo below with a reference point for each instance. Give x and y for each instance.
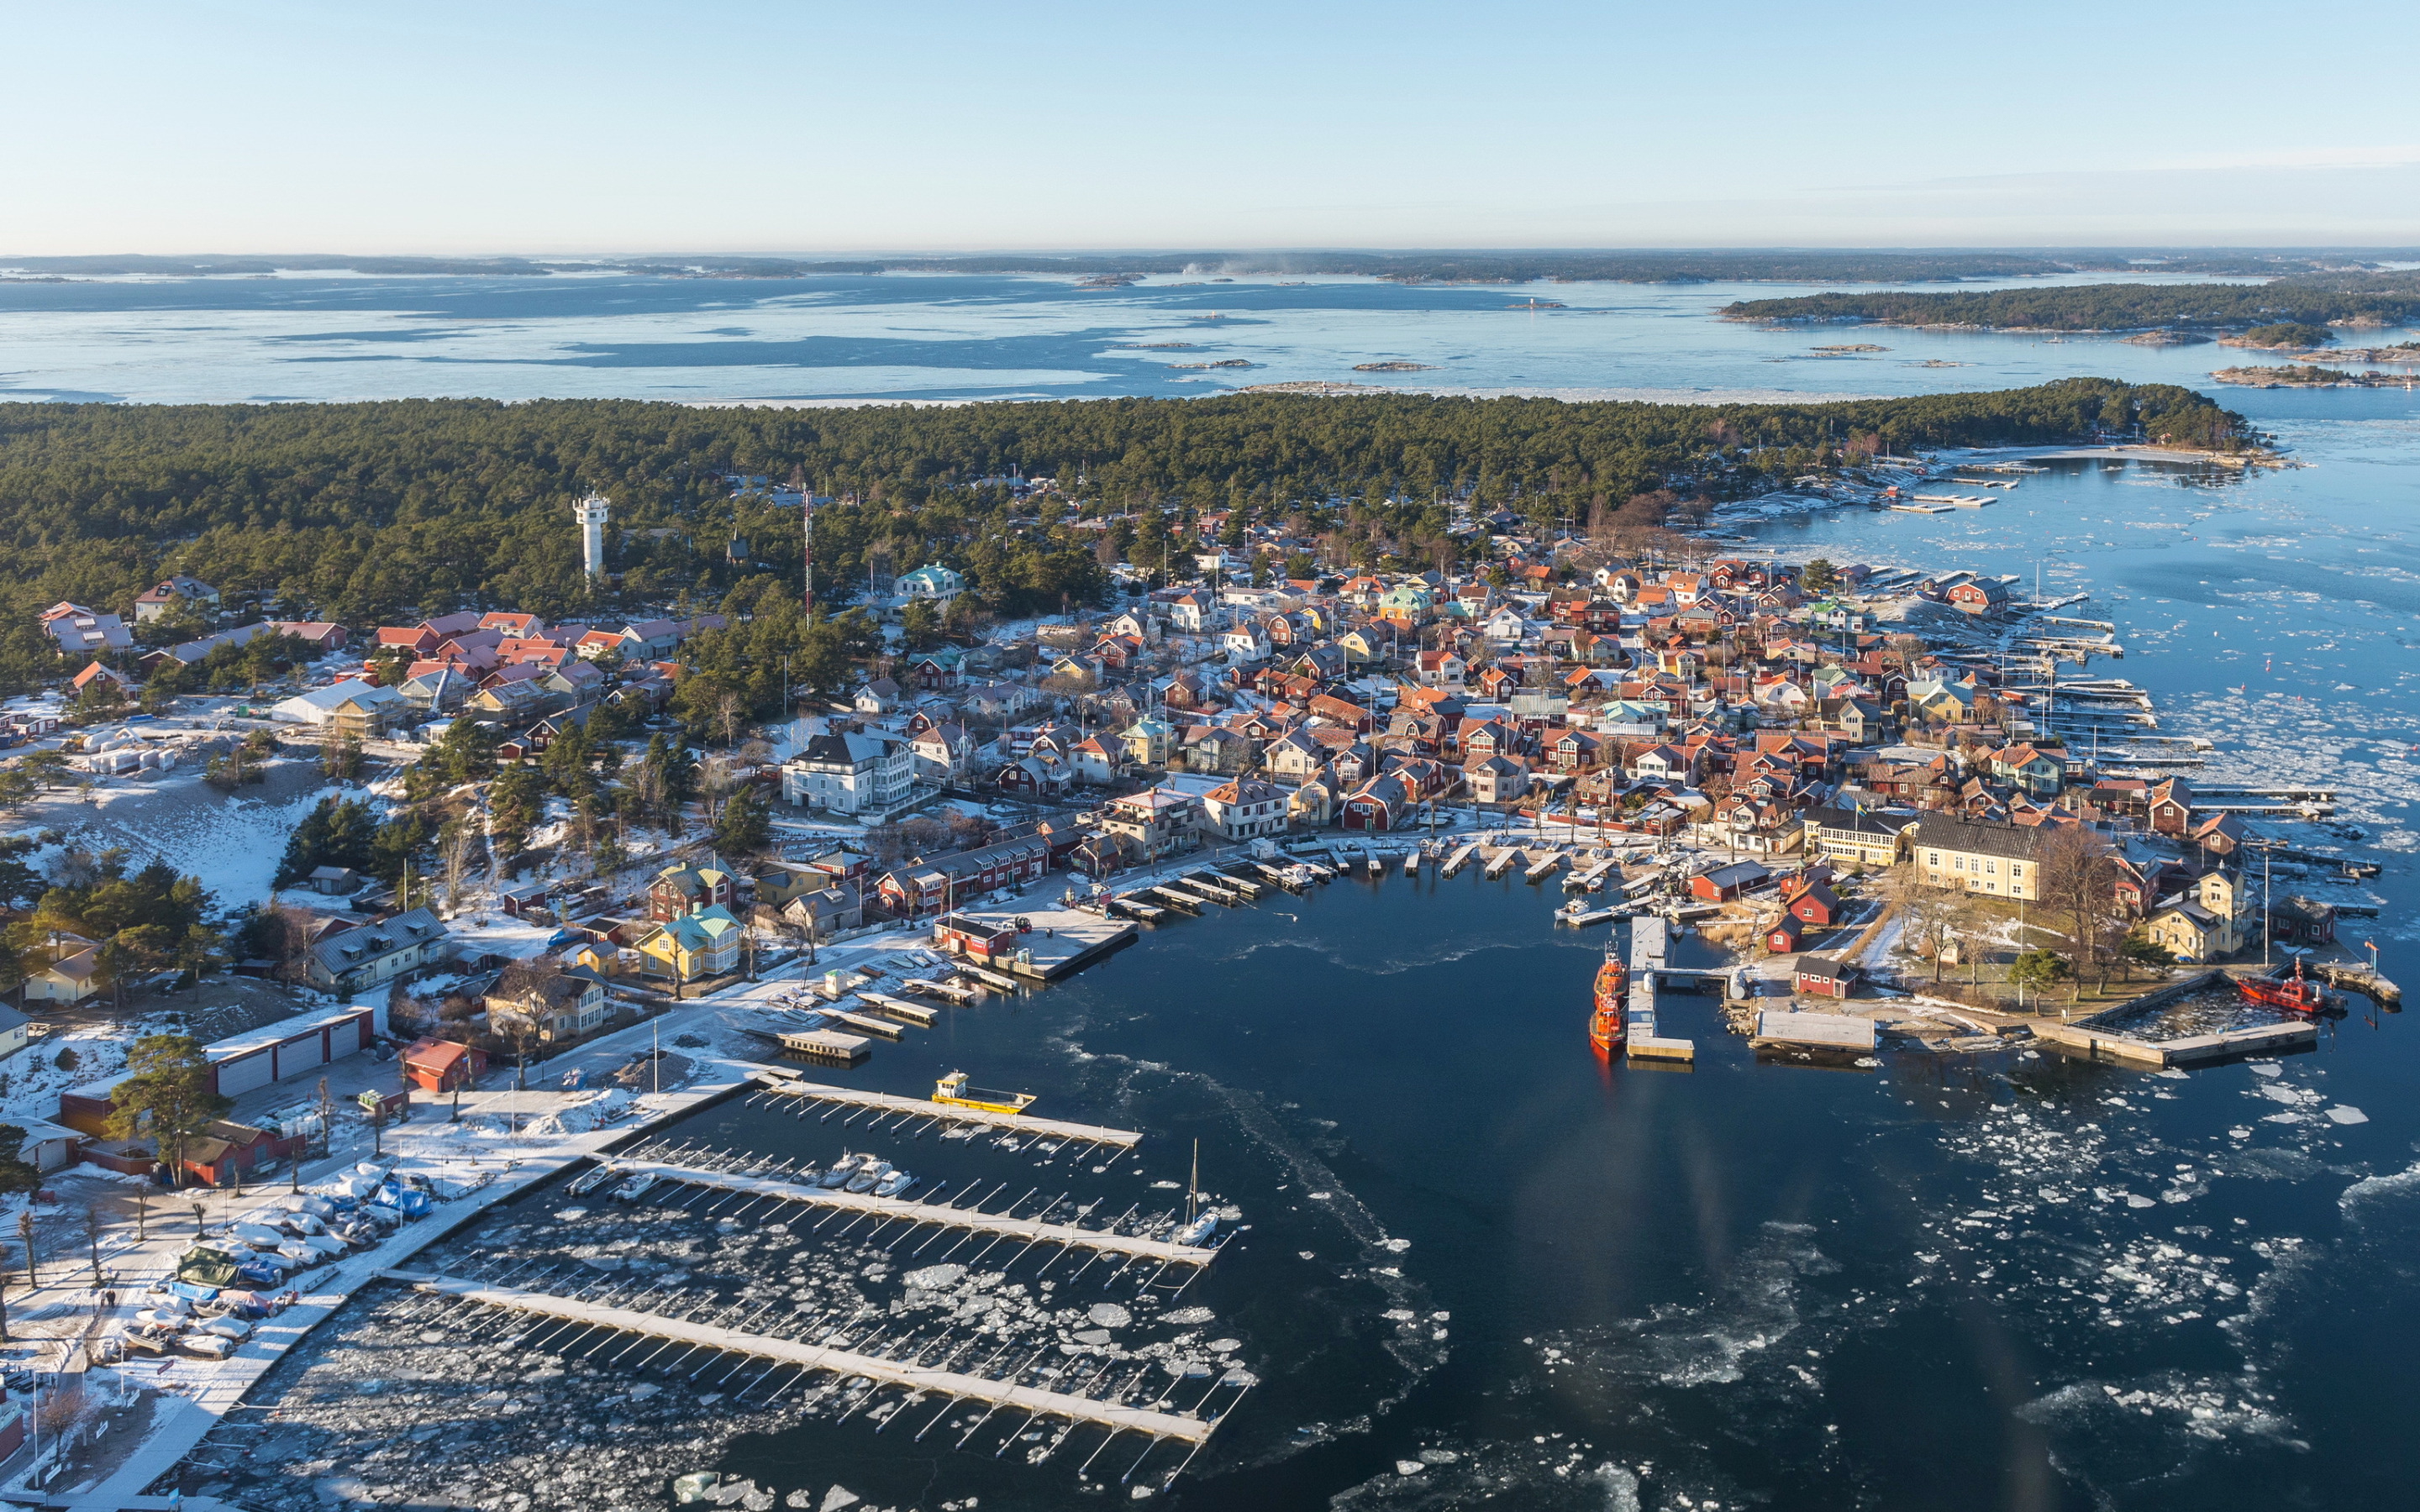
(2306, 376)
(2317, 301)
(2287, 335)
(1109, 271)
(375, 512)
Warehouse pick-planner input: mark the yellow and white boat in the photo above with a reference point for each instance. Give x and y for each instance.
(953, 1092)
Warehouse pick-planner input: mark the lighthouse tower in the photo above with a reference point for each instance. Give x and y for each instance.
(591, 513)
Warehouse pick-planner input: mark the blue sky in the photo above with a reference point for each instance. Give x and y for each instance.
(246, 126)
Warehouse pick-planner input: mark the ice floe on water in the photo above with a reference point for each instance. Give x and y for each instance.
(2370, 1189)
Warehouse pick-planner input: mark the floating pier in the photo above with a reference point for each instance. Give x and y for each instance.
(1183, 902)
(865, 1022)
(1231, 881)
(910, 1108)
(989, 978)
(921, 1381)
(1591, 877)
(895, 1209)
(915, 1013)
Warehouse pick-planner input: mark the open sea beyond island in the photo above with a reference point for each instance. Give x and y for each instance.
(1481, 1270)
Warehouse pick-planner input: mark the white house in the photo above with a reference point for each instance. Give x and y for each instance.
(935, 583)
(1191, 612)
(851, 773)
(1245, 643)
(1245, 807)
(943, 752)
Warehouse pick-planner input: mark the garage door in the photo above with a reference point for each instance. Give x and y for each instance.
(245, 1074)
(301, 1055)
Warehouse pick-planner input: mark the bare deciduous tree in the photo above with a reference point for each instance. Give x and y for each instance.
(2077, 870)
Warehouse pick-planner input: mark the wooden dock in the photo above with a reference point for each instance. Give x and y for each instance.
(1459, 858)
(1545, 864)
(839, 1362)
(915, 1013)
(1592, 877)
(1183, 902)
(1501, 862)
(866, 1022)
(854, 1097)
(1236, 883)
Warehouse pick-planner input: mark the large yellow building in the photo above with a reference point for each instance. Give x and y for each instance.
(1994, 859)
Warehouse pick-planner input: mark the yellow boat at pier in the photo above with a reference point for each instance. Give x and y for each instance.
(953, 1092)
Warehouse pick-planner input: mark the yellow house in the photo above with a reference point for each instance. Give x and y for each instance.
(2213, 917)
(703, 944)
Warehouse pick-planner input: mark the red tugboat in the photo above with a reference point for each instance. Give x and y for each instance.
(1608, 1024)
(2292, 994)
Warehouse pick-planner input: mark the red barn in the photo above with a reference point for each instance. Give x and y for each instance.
(1814, 903)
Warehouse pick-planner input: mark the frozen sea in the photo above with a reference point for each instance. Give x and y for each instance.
(1952, 1283)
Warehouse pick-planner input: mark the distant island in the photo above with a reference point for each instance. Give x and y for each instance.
(1394, 368)
(2287, 335)
(1223, 362)
(2311, 302)
(2305, 375)
(2166, 338)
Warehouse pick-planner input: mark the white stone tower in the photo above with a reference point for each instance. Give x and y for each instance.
(591, 513)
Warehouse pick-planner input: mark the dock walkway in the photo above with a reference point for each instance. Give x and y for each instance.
(947, 1112)
(898, 1211)
(1649, 942)
(815, 1357)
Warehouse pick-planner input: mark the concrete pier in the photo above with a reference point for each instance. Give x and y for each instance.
(814, 1357)
(1649, 942)
(1055, 942)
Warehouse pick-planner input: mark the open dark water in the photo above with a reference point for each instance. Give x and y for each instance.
(1949, 1282)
